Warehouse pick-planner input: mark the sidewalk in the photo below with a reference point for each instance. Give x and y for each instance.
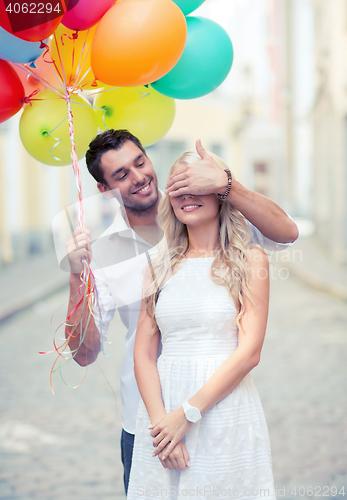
(308, 261)
(27, 282)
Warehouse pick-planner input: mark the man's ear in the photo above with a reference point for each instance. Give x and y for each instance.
(105, 190)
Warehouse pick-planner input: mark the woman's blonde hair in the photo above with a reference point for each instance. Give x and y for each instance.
(229, 267)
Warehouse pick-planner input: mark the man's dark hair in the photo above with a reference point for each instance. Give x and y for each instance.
(110, 139)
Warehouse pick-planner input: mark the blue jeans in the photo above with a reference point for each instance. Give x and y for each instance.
(126, 445)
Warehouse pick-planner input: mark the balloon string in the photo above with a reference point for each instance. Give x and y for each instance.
(57, 142)
(44, 45)
(56, 73)
(82, 62)
(79, 66)
(61, 376)
(63, 78)
(74, 100)
(49, 62)
(53, 129)
(28, 99)
(93, 83)
(78, 83)
(75, 165)
(101, 91)
(73, 37)
(56, 139)
(72, 60)
(35, 75)
(89, 299)
(54, 64)
(104, 110)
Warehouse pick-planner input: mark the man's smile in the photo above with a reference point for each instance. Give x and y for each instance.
(144, 190)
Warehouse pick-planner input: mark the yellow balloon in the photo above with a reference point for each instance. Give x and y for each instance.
(44, 128)
(72, 57)
(141, 110)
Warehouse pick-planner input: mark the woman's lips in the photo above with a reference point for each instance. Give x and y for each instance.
(190, 208)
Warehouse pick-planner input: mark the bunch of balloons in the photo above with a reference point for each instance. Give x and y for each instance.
(131, 57)
(136, 56)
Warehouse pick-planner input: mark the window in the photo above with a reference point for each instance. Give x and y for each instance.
(261, 178)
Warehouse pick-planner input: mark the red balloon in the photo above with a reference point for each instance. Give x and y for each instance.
(35, 26)
(86, 14)
(11, 91)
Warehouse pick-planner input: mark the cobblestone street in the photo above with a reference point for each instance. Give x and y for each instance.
(63, 446)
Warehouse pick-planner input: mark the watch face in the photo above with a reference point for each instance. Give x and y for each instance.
(193, 414)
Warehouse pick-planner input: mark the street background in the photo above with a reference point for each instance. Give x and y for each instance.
(279, 121)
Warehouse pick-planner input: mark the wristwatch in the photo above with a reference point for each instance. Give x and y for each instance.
(192, 414)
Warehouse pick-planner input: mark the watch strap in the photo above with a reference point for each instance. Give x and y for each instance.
(186, 407)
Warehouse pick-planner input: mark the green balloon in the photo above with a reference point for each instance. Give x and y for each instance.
(204, 64)
(187, 6)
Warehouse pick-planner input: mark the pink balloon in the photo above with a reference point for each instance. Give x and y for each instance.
(86, 13)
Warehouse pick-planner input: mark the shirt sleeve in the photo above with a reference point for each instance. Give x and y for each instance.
(266, 243)
(105, 306)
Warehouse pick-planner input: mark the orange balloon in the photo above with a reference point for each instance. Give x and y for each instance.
(75, 56)
(138, 41)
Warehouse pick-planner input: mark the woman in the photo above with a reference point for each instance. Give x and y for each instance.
(206, 297)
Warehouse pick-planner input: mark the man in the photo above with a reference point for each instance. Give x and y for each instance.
(117, 161)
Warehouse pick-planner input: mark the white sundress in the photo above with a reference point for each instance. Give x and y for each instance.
(229, 447)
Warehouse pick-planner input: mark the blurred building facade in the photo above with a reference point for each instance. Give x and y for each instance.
(234, 122)
(329, 117)
(279, 121)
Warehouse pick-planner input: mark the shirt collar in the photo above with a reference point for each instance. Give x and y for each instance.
(121, 227)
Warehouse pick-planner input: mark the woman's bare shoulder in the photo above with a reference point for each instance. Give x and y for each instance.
(256, 252)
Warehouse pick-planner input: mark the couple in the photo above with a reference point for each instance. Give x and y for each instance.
(206, 309)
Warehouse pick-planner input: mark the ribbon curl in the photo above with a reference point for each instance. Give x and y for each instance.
(29, 98)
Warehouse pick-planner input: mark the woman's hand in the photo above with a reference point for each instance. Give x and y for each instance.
(178, 459)
(169, 431)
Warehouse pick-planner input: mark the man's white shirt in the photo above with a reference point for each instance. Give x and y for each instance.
(119, 258)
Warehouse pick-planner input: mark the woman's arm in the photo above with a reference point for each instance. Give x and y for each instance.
(271, 220)
(174, 425)
(147, 377)
(145, 365)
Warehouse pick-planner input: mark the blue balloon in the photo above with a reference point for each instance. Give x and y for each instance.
(187, 6)
(16, 50)
(204, 64)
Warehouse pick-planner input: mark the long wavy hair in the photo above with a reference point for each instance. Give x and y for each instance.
(230, 265)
